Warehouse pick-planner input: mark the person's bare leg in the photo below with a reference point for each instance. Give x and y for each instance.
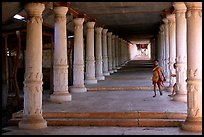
(159, 88)
(154, 90)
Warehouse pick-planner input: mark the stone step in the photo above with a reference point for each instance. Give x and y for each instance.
(109, 122)
(117, 88)
(125, 119)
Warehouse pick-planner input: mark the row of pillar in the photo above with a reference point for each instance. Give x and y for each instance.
(111, 52)
(180, 42)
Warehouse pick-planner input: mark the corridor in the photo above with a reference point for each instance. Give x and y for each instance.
(128, 90)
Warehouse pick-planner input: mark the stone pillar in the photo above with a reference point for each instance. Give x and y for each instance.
(116, 53)
(159, 47)
(32, 112)
(181, 52)
(126, 51)
(90, 59)
(99, 70)
(78, 63)
(105, 53)
(110, 66)
(113, 53)
(172, 49)
(166, 59)
(193, 121)
(119, 53)
(162, 40)
(60, 67)
(122, 53)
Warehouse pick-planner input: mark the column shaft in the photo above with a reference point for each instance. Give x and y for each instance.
(113, 53)
(99, 70)
(90, 59)
(32, 112)
(110, 69)
(78, 63)
(172, 49)
(60, 67)
(105, 53)
(193, 121)
(181, 52)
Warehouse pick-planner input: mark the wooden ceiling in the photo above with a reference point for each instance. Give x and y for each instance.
(132, 21)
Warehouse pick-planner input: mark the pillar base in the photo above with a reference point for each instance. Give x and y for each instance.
(192, 125)
(90, 81)
(180, 97)
(170, 88)
(59, 98)
(111, 71)
(115, 70)
(74, 89)
(100, 78)
(106, 74)
(32, 122)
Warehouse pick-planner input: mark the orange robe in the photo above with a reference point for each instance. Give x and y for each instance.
(157, 75)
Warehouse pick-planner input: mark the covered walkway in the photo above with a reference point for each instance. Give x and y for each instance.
(126, 92)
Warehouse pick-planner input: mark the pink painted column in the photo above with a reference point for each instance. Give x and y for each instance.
(193, 121)
(98, 49)
(78, 63)
(90, 58)
(60, 67)
(181, 52)
(105, 52)
(32, 111)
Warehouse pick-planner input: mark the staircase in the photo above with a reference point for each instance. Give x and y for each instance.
(121, 119)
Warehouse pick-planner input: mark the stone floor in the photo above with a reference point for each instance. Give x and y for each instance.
(118, 100)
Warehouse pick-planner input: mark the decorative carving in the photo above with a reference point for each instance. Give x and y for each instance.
(200, 13)
(60, 61)
(195, 73)
(60, 78)
(33, 76)
(79, 27)
(35, 19)
(181, 59)
(90, 58)
(78, 71)
(188, 14)
(33, 98)
(60, 19)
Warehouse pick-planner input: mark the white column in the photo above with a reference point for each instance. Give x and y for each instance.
(159, 48)
(193, 121)
(105, 53)
(126, 52)
(116, 52)
(78, 63)
(113, 53)
(122, 52)
(166, 68)
(172, 49)
(90, 59)
(99, 70)
(32, 111)
(110, 66)
(181, 52)
(162, 45)
(119, 53)
(60, 67)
